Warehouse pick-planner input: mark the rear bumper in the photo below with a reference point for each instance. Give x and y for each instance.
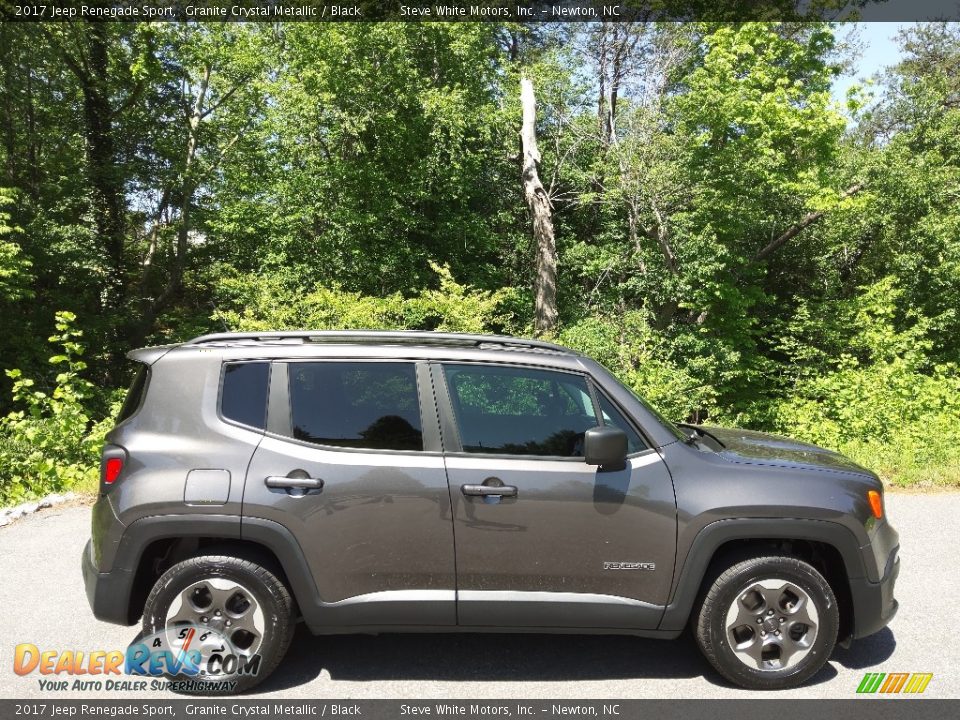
(873, 602)
(108, 593)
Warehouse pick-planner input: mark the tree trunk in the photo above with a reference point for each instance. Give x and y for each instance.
(9, 136)
(538, 203)
(34, 138)
(105, 181)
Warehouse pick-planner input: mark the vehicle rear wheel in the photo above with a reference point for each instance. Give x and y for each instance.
(768, 623)
(228, 621)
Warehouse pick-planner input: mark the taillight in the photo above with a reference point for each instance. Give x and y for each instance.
(111, 469)
(876, 503)
(112, 461)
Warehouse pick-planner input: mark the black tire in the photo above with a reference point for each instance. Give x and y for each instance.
(270, 594)
(709, 623)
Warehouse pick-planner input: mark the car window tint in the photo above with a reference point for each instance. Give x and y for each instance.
(520, 411)
(612, 416)
(244, 396)
(356, 405)
(135, 394)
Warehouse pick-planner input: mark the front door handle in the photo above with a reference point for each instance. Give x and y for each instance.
(297, 483)
(489, 490)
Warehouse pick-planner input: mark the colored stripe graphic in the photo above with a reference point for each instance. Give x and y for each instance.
(918, 683)
(893, 683)
(870, 682)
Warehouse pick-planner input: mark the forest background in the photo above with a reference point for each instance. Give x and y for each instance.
(702, 216)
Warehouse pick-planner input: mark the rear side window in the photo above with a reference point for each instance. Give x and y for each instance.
(138, 389)
(244, 395)
(373, 406)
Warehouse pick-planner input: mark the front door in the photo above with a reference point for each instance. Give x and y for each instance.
(351, 465)
(542, 538)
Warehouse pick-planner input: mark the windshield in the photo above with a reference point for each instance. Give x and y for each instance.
(669, 424)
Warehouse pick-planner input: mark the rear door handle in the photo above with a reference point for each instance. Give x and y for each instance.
(489, 490)
(300, 483)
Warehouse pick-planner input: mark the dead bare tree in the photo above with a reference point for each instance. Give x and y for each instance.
(541, 214)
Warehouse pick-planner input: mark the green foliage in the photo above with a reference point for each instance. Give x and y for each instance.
(642, 360)
(910, 222)
(14, 268)
(280, 302)
(51, 444)
(729, 244)
(878, 401)
(381, 150)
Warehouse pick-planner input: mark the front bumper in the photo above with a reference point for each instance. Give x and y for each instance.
(108, 593)
(873, 603)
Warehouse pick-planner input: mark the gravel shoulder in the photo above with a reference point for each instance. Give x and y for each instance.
(42, 601)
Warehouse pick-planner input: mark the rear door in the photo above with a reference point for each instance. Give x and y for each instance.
(542, 538)
(351, 465)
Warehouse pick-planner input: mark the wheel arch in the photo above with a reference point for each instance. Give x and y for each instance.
(153, 544)
(830, 547)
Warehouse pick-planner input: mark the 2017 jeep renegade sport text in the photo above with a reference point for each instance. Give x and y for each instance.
(427, 482)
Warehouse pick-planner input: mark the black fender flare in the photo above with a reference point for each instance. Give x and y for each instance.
(269, 534)
(712, 536)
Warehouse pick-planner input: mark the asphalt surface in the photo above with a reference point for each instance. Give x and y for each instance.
(42, 601)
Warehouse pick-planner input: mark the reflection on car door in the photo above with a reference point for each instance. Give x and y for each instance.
(543, 539)
(351, 466)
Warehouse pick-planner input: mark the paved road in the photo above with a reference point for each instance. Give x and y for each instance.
(42, 601)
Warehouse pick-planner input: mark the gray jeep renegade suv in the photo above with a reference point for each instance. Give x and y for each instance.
(427, 482)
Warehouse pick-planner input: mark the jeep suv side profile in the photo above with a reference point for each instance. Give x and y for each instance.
(371, 482)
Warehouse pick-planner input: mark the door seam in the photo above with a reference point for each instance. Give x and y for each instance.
(453, 524)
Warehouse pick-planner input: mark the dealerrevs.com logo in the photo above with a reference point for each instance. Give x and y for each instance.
(894, 683)
(179, 658)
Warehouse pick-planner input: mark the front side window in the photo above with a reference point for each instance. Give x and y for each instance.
(520, 411)
(612, 416)
(370, 405)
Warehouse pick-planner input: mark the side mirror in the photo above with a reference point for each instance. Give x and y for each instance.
(605, 446)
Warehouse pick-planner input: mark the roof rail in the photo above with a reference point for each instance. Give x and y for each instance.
(386, 337)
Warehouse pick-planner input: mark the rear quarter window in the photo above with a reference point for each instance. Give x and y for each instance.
(136, 393)
(243, 398)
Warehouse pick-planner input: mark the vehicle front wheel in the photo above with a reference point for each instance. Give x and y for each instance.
(225, 622)
(768, 623)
